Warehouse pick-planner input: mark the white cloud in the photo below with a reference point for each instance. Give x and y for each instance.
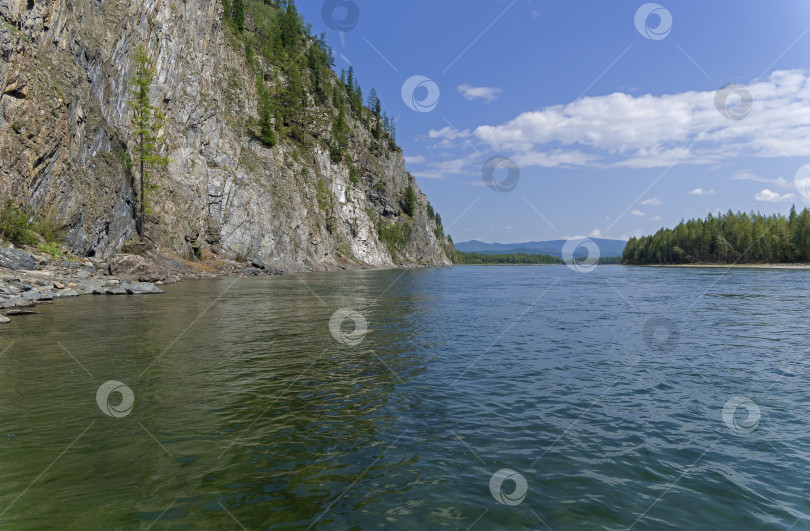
(443, 169)
(553, 159)
(429, 175)
(595, 233)
(768, 196)
(656, 131)
(414, 159)
(454, 166)
(486, 94)
(654, 201)
(448, 133)
(656, 218)
(745, 175)
(448, 137)
(638, 213)
(701, 191)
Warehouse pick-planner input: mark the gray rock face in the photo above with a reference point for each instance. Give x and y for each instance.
(64, 122)
(16, 259)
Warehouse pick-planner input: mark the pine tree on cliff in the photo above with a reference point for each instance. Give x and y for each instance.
(146, 122)
(239, 14)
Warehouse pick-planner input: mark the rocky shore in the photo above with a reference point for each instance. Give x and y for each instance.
(28, 279)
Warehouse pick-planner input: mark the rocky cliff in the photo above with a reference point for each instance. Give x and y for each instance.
(65, 130)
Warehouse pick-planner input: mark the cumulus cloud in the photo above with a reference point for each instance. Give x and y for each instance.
(659, 130)
(595, 233)
(414, 159)
(701, 191)
(769, 196)
(656, 218)
(486, 94)
(653, 201)
(638, 213)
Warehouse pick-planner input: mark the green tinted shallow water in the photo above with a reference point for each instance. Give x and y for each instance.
(247, 411)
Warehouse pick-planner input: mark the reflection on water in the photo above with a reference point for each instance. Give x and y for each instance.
(247, 410)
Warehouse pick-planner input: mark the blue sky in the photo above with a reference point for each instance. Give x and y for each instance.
(615, 134)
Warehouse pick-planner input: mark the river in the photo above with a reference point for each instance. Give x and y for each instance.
(467, 397)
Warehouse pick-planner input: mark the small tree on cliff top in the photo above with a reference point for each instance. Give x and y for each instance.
(146, 122)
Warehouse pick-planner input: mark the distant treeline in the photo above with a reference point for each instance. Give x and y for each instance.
(729, 238)
(461, 258)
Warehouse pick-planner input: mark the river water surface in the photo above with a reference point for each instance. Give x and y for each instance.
(479, 397)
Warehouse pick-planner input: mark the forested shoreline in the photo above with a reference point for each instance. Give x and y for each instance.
(741, 238)
(472, 258)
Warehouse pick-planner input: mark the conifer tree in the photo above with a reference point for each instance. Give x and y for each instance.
(146, 122)
(238, 15)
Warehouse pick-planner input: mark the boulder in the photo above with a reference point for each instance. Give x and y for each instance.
(68, 293)
(266, 267)
(4, 319)
(35, 295)
(136, 267)
(16, 259)
(142, 288)
(116, 291)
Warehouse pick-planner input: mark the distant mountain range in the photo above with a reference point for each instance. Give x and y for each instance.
(607, 248)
